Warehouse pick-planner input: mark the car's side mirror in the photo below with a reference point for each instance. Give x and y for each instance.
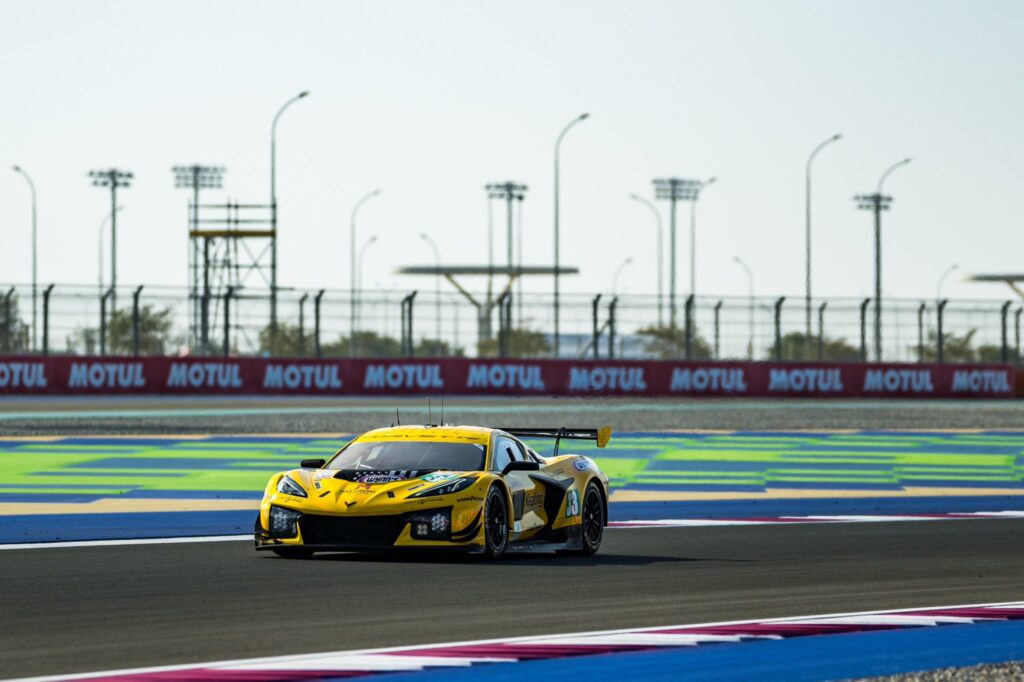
(312, 463)
(520, 465)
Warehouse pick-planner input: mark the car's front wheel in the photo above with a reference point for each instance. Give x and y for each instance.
(495, 523)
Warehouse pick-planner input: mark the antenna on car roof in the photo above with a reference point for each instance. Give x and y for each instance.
(442, 409)
(430, 412)
(398, 419)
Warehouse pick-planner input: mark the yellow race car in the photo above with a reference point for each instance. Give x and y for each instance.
(479, 489)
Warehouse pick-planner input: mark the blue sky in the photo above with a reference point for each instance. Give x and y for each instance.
(431, 100)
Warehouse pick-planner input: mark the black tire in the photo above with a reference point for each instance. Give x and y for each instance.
(293, 552)
(592, 526)
(495, 523)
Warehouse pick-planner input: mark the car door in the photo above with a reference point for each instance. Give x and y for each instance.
(527, 493)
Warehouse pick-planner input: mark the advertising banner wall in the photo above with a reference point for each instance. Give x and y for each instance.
(63, 375)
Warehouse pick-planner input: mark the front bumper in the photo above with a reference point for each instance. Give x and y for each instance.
(422, 528)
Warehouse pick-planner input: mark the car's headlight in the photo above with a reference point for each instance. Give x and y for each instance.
(446, 488)
(289, 487)
(282, 522)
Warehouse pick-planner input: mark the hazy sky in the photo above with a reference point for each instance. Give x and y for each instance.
(431, 100)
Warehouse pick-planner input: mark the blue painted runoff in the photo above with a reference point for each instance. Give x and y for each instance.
(801, 659)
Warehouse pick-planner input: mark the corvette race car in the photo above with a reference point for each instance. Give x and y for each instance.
(478, 489)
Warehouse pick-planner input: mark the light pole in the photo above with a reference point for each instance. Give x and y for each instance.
(437, 285)
(35, 261)
(618, 271)
(106, 219)
(353, 293)
(878, 202)
(750, 304)
(674, 190)
(113, 179)
(359, 285)
(693, 234)
(558, 254)
(273, 215)
(661, 254)
(938, 287)
(807, 238)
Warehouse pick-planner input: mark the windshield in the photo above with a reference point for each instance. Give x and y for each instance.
(416, 455)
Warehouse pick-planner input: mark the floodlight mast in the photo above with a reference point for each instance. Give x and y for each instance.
(877, 203)
(112, 178)
(674, 190)
(510, 192)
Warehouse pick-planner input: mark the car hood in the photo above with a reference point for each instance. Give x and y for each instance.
(353, 490)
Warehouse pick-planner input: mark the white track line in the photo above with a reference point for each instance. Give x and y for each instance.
(372, 657)
(133, 541)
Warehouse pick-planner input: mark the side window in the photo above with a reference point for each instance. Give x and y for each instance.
(503, 450)
(521, 453)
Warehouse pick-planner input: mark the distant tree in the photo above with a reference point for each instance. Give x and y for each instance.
(669, 343)
(155, 336)
(14, 333)
(955, 347)
(437, 348)
(795, 347)
(154, 331)
(522, 343)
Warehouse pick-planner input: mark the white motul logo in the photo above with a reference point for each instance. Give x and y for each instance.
(526, 377)
(627, 379)
(403, 376)
(992, 381)
(204, 375)
(22, 375)
(806, 380)
(708, 380)
(898, 381)
(106, 375)
(321, 377)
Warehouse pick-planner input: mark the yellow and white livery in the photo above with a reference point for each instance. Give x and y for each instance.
(478, 489)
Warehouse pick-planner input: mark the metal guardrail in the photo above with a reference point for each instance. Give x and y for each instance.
(159, 320)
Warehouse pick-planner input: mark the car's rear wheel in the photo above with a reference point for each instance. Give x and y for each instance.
(293, 552)
(495, 523)
(592, 530)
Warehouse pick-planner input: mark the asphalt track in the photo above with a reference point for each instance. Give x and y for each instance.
(150, 415)
(100, 608)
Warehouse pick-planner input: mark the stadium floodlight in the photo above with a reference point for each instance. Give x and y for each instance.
(674, 190)
(114, 179)
(198, 177)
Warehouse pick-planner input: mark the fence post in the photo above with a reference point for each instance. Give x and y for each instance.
(508, 323)
(1006, 340)
(940, 335)
(103, 319)
(920, 332)
(6, 320)
(46, 319)
(227, 320)
(596, 339)
(503, 323)
(302, 324)
(316, 322)
(135, 321)
(718, 311)
(1016, 335)
(863, 330)
(611, 327)
(821, 330)
(778, 328)
(407, 347)
(688, 328)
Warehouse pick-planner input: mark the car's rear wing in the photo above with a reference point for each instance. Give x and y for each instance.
(601, 435)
